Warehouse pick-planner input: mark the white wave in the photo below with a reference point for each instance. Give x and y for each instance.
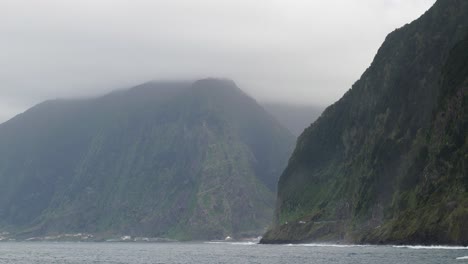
(232, 243)
(244, 243)
(327, 245)
(460, 258)
(432, 247)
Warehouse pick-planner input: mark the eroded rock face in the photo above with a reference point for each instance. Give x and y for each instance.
(387, 162)
(180, 160)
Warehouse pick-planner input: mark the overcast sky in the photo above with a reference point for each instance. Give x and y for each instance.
(300, 51)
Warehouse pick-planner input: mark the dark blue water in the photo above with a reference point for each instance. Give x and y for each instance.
(211, 253)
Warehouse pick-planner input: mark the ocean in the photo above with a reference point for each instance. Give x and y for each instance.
(222, 252)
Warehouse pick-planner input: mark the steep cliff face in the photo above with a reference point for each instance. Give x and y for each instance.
(387, 162)
(177, 160)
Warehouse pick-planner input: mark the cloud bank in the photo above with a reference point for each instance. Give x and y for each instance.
(298, 51)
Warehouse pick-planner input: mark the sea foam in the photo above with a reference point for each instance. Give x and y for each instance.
(249, 243)
(327, 245)
(433, 247)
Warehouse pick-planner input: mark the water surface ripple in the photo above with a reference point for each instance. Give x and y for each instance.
(218, 253)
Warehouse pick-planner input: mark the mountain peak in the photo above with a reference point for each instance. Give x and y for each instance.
(174, 159)
(215, 82)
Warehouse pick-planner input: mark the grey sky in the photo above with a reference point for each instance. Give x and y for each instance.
(301, 51)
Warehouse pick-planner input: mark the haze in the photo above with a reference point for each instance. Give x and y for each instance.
(302, 52)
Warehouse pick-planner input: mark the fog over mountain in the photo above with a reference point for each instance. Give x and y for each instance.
(294, 117)
(387, 163)
(291, 51)
(186, 161)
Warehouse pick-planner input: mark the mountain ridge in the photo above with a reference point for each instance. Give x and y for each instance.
(168, 159)
(358, 171)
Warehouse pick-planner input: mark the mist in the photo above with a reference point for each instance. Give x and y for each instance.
(300, 52)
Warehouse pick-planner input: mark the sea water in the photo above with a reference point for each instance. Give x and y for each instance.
(211, 253)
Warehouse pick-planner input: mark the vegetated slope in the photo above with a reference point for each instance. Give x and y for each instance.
(388, 162)
(295, 117)
(176, 160)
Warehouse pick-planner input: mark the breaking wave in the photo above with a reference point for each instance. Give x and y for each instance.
(244, 243)
(326, 245)
(433, 247)
(232, 243)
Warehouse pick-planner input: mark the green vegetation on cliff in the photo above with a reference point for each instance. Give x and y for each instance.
(177, 160)
(387, 163)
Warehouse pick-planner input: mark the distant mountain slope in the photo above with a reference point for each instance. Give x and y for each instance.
(388, 162)
(296, 118)
(177, 160)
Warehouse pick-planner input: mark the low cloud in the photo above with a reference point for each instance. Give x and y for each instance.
(277, 50)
